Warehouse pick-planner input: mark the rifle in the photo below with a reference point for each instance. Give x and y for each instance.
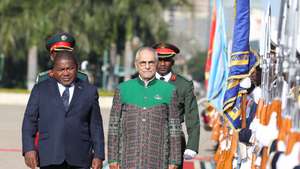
(259, 109)
(268, 110)
(227, 148)
(269, 106)
(220, 154)
(292, 139)
(264, 120)
(284, 129)
(243, 110)
(294, 134)
(275, 108)
(216, 128)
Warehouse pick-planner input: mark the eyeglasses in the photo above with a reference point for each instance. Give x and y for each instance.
(144, 63)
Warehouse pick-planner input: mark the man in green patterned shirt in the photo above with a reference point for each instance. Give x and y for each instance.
(144, 127)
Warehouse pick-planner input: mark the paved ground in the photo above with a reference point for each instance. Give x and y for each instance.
(10, 136)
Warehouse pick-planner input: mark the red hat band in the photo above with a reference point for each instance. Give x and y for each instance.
(165, 51)
(61, 44)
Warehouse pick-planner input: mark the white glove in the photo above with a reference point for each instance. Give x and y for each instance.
(245, 164)
(254, 125)
(256, 94)
(291, 160)
(267, 134)
(258, 161)
(281, 146)
(245, 83)
(243, 151)
(189, 154)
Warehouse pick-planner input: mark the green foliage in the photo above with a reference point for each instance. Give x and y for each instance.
(95, 24)
(196, 66)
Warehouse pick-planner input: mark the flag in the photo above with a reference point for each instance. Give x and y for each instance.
(210, 46)
(219, 62)
(242, 63)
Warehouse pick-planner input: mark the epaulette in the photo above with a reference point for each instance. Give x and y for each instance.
(42, 76)
(82, 76)
(180, 77)
(43, 73)
(173, 77)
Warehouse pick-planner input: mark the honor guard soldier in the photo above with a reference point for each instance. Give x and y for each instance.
(62, 41)
(187, 101)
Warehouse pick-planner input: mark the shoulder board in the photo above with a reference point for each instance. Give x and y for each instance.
(173, 77)
(180, 79)
(183, 78)
(43, 73)
(82, 76)
(81, 72)
(42, 76)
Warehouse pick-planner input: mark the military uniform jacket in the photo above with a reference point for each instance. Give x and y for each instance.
(188, 109)
(144, 128)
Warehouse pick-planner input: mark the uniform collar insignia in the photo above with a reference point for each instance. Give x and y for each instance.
(173, 77)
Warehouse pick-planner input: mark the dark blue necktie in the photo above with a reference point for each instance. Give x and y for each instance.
(65, 97)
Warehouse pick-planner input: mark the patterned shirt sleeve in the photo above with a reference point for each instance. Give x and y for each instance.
(114, 129)
(175, 132)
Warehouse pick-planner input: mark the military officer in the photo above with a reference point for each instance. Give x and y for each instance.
(61, 41)
(187, 101)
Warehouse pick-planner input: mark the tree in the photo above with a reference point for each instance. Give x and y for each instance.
(96, 25)
(142, 19)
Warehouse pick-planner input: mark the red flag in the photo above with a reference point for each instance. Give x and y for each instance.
(211, 44)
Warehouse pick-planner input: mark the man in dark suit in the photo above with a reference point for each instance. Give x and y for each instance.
(187, 103)
(65, 110)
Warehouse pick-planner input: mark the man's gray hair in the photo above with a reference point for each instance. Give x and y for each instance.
(138, 53)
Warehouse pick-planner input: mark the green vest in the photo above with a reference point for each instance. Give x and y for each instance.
(45, 75)
(155, 93)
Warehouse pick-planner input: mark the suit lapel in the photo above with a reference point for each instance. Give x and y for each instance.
(54, 93)
(78, 89)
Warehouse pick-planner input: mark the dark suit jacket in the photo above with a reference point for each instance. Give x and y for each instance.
(75, 135)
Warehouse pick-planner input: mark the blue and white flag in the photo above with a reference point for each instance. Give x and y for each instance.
(219, 63)
(242, 64)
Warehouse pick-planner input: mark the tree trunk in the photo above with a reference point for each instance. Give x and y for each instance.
(32, 63)
(112, 78)
(128, 60)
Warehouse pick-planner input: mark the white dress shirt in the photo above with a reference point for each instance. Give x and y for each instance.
(167, 76)
(62, 88)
